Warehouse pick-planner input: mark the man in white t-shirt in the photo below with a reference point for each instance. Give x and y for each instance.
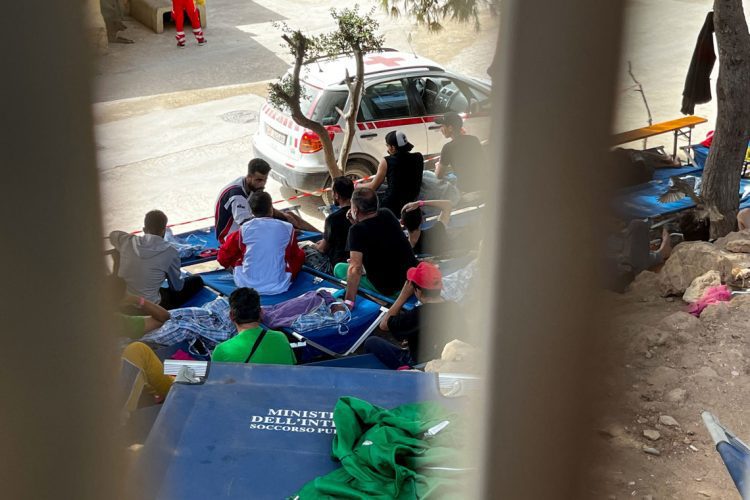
(264, 253)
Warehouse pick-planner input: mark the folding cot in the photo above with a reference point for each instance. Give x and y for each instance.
(328, 340)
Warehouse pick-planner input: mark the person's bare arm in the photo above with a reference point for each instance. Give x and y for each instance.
(353, 275)
(445, 207)
(406, 291)
(439, 170)
(376, 181)
(157, 315)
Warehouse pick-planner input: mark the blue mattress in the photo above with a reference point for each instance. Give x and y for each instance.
(363, 317)
(207, 237)
(213, 440)
(642, 201)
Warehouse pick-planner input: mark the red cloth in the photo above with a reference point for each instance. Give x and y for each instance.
(232, 251)
(179, 7)
(708, 140)
(294, 256)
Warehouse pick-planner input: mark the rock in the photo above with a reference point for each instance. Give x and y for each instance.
(651, 434)
(705, 494)
(735, 373)
(715, 313)
(706, 372)
(740, 303)
(678, 395)
(738, 246)
(721, 243)
(693, 448)
(690, 260)
(651, 451)
(646, 284)
(684, 323)
(668, 421)
(699, 285)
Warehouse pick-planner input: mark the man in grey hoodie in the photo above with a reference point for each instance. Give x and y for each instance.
(144, 261)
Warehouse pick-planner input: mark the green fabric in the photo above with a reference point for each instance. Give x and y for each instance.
(340, 271)
(273, 349)
(132, 327)
(392, 466)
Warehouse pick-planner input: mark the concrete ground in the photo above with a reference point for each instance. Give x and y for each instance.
(174, 125)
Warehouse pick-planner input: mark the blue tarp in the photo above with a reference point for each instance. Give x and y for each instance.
(642, 201)
(213, 440)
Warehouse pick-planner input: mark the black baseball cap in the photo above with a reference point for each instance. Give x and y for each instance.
(451, 118)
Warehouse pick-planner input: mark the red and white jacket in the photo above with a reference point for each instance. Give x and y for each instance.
(264, 254)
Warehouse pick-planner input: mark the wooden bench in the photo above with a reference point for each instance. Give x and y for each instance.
(151, 13)
(677, 126)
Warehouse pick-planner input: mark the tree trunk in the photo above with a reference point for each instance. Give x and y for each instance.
(299, 44)
(721, 179)
(350, 116)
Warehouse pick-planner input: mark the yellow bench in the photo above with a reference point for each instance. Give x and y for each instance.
(677, 126)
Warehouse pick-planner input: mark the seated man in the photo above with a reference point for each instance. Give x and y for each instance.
(264, 252)
(149, 316)
(253, 343)
(434, 240)
(145, 261)
(232, 209)
(463, 154)
(336, 229)
(377, 245)
(442, 319)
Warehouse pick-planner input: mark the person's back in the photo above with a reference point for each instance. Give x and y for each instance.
(465, 155)
(264, 266)
(385, 249)
(274, 348)
(144, 263)
(336, 232)
(404, 176)
(254, 343)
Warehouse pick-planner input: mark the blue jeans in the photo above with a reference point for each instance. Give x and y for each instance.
(390, 355)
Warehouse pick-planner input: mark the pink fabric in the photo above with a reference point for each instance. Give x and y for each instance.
(182, 355)
(712, 295)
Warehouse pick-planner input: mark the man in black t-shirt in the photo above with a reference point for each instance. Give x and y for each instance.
(434, 240)
(377, 246)
(463, 154)
(336, 229)
(424, 329)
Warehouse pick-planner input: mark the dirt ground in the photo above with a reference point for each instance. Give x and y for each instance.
(669, 363)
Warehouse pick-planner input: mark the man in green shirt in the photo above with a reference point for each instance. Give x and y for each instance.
(253, 343)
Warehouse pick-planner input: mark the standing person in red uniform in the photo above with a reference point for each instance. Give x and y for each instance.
(178, 13)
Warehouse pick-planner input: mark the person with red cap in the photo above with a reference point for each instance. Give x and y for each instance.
(422, 330)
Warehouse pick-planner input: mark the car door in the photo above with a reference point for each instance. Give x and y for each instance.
(390, 105)
(442, 93)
